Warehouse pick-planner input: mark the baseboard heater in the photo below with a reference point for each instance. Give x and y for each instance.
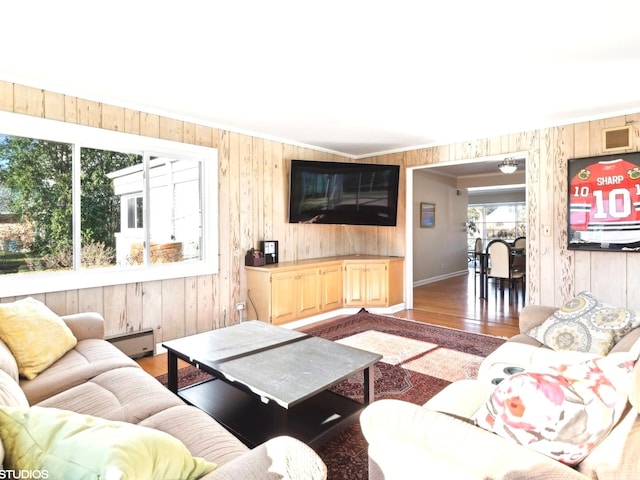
(134, 344)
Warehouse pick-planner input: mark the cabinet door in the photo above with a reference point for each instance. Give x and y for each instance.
(308, 292)
(355, 284)
(331, 291)
(377, 284)
(284, 306)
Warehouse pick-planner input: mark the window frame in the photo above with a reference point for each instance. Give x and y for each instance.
(483, 231)
(136, 217)
(80, 136)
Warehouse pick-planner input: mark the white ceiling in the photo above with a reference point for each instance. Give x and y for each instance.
(355, 77)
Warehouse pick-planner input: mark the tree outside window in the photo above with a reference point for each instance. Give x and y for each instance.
(37, 210)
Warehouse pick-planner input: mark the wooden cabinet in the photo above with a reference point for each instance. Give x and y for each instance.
(290, 291)
(373, 283)
(294, 294)
(284, 296)
(331, 292)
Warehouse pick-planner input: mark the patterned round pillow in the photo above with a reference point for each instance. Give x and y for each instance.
(586, 324)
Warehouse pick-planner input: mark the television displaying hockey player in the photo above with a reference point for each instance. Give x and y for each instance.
(604, 203)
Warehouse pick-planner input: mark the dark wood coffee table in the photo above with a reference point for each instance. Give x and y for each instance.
(268, 381)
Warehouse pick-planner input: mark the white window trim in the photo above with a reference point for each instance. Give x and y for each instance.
(45, 129)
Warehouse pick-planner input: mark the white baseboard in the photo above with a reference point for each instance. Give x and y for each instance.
(425, 281)
(342, 311)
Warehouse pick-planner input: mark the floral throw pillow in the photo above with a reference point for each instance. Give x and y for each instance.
(563, 412)
(586, 324)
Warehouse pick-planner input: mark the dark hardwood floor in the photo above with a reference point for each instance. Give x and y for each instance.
(451, 303)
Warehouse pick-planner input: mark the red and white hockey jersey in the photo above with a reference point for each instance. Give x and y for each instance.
(604, 203)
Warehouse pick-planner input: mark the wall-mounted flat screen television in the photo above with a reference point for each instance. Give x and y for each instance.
(343, 193)
(604, 203)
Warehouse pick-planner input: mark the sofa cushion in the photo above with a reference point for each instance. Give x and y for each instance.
(563, 412)
(202, 435)
(71, 445)
(8, 362)
(10, 392)
(586, 324)
(87, 360)
(36, 336)
(462, 398)
(127, 394)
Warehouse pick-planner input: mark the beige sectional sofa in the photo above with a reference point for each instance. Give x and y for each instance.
(96, 379)
(441, 439)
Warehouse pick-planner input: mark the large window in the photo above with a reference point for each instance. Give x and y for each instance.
(489, 221)
(86, 207)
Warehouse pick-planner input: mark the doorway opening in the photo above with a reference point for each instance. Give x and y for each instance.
(450, 185)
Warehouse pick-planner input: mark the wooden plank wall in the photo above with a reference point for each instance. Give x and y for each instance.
(554, 274)
(253, 185)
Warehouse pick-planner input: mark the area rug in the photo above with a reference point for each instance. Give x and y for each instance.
(418, 361)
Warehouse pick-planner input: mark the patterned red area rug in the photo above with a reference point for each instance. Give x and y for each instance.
(186, 376)
(418, 361)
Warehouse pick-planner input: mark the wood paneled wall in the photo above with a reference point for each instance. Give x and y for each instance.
(554, 274)
(253, 191)
(253, 195)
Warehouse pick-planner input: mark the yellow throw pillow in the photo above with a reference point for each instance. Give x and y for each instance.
(66, 444)
(36, 336)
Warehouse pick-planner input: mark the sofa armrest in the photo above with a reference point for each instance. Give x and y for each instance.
(404, 438)
(279, 458)
(85, 325)
(462, 398)
(534, 315)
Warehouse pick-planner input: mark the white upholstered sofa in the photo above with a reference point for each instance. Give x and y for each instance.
(440, 439)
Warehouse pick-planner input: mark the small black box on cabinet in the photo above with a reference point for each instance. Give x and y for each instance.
(270, 250)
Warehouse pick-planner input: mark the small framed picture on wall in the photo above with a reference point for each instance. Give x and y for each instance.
(427, 215)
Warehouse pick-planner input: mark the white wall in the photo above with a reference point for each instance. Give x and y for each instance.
(440, 251)
(502, 197)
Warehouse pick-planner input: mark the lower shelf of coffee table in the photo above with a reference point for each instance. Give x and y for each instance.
(313, 421)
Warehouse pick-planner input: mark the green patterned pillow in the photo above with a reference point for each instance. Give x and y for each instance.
(71, 445)
(586, 324)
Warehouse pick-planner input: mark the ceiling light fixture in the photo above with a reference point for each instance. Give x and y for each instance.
(508, 165)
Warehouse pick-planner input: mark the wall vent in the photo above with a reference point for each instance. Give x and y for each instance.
(617, 138)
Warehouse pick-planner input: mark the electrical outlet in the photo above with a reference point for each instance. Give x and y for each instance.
(240, 306)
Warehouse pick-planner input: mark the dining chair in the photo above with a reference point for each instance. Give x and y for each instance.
(519, 261)
(478, 263)
(520, 242)
(477, 252)
(501, 266)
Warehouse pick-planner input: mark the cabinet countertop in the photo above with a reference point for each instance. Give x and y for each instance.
(310, 262)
